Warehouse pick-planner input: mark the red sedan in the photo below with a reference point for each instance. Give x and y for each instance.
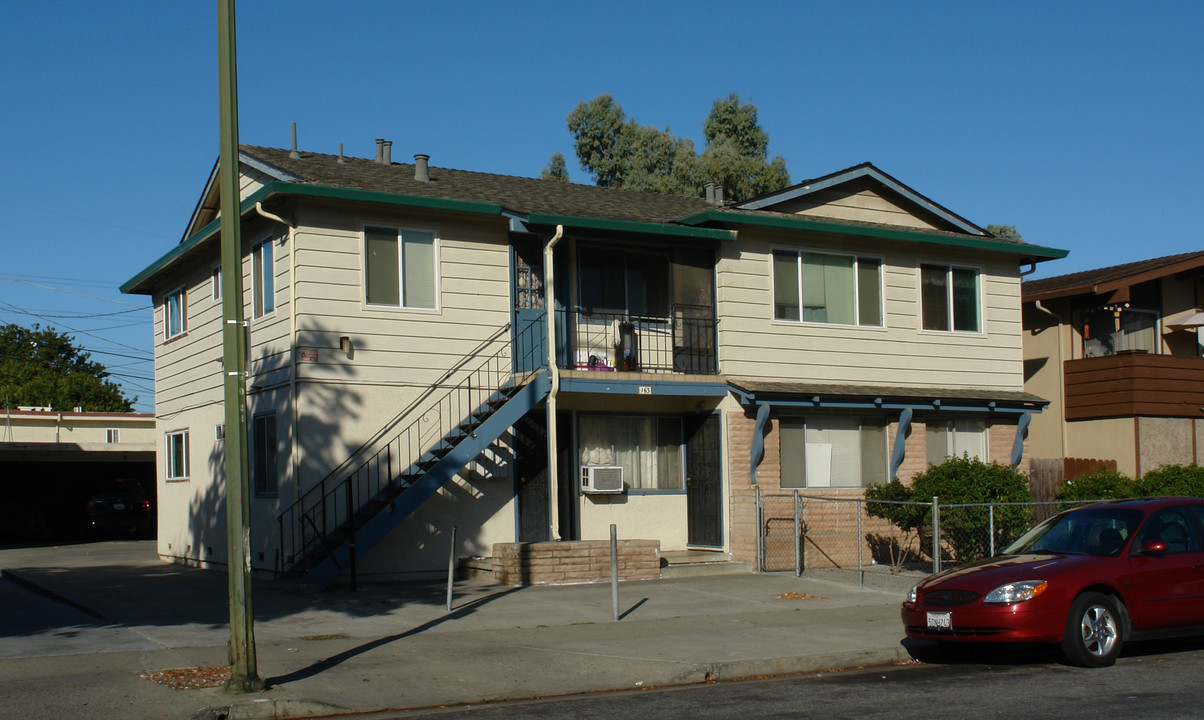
(1090, 579)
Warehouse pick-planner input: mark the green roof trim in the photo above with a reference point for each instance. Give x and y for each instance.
(631, 226)
(796, 223)
(315, 191)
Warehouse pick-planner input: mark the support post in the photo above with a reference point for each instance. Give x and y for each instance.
(451, 568)
(936, 535)
(614, 571)
(244, 674)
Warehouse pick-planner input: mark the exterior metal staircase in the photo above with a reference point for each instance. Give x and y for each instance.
(337, 521)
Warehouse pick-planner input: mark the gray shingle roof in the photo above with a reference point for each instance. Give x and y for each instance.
(517, 194)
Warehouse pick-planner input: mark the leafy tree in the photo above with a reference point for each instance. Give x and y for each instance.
(44, 367)
(556, 169)
(619, 152)
(1005, 232)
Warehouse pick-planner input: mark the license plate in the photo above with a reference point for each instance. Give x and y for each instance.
(119, 506)
(940, 620)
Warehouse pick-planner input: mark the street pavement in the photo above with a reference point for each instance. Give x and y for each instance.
(82, 626)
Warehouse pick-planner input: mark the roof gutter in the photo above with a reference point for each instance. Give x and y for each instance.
(1031, 253)
(137, 284)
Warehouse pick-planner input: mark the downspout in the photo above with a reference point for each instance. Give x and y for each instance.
(295, 419)
(550, 304)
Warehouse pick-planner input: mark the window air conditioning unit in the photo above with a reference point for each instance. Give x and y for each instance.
(602, 479)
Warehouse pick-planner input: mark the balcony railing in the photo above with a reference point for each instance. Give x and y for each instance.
(614, 342)
(1134, 384)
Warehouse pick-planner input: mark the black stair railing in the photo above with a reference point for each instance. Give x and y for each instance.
(326, 515)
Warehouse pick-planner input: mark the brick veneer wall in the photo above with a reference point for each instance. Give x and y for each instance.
(831, 527)
(577, 561)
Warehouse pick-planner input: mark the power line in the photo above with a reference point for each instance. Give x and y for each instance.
(16, 279)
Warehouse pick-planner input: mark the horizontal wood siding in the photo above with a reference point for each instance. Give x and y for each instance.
(1135, 384)
(863, 201)
(752, 344)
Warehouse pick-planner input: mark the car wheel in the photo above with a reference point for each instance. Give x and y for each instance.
(1093, 631)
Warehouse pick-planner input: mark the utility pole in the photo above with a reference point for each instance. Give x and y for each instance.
(244, 676)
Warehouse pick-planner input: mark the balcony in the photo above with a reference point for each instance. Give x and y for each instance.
(611, 342)
(1132, 384)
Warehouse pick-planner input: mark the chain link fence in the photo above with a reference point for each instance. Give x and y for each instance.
(798, 532)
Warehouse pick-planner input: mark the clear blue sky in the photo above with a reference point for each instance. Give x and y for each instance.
(1078, 122)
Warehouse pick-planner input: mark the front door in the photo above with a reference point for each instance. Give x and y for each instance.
(704, 481)
(529, 327)
(531, 477)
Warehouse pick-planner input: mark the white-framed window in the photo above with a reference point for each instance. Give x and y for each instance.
(949, 297)
(956, 438)
(263, 278)
(833, 451)
(263, 463)
(175, 314)
(827, 288)
(648, 448)
(177, 455)
(215, 280)
(112, 436)
(399, 267)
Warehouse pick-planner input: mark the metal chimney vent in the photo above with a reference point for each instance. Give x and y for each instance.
(421, 171)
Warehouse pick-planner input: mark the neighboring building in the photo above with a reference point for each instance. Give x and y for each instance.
(51, 462)
(824, 337)
(1117, 351)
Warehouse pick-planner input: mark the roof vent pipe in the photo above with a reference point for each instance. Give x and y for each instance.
(718, 194)
(387, 157)
(421, 171)
(341, 160)
(380, 148)
(710, 193)
(294, 154)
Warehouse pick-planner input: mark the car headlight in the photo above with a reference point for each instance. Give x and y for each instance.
(1016, 592)
(913, 593)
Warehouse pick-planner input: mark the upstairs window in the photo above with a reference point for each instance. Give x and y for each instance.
(621, 282)
(175, 320)
(826, 288)
(399, 267)
(949, 296)
(216, 282)
(263, 279)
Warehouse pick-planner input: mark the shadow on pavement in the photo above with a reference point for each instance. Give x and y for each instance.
(334, 660)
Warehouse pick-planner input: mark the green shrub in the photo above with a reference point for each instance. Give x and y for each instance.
(1173, 481)
(965, 480)
(959, 481)
(1102, 484)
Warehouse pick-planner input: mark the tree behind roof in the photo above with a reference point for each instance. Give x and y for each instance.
(42, 367)
(619, 152)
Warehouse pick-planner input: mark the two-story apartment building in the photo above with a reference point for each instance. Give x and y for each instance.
(827, 337)
(1117, 352)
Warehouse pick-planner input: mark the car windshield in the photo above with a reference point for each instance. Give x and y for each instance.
(1099, 531)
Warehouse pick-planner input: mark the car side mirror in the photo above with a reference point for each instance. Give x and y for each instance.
(1153, 547)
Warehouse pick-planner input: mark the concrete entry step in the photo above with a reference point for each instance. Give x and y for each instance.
(698, 563)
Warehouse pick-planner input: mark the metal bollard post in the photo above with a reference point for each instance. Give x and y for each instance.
(451, 568)
(614, 572)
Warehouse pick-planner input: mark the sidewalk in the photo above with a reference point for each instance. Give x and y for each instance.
(396, 646)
